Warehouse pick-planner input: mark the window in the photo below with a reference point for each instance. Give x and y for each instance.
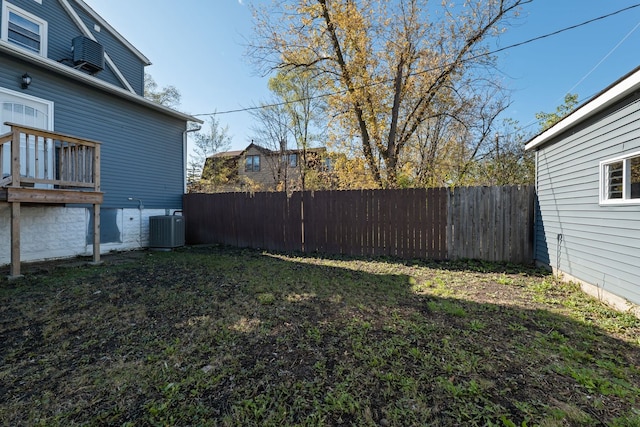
(24, 29)
(620, 180)
(27, 110)
(252, 164)
(292, 160)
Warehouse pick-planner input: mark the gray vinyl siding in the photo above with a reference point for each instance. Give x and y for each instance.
(141, 151)
(128, 63)
(600, 244)
(62, 30)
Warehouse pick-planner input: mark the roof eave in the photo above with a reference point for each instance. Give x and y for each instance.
(106, 25)
(91, 80)
(612, 94)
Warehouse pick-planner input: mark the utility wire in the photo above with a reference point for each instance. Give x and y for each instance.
(605, 57)
(536, 121)
(534, 39)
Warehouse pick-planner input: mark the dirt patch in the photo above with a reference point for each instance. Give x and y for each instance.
(220, 336)
(48, 266)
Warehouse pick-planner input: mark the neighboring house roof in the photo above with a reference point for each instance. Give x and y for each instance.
(607, 97)
(235, 153)
(65, 70)
(260, 148)
(289, 151)
(266, 151)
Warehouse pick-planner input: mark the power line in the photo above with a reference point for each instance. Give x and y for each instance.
(605, 57)
(537, 121)
(534, 39)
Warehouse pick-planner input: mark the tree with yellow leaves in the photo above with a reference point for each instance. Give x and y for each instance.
(391, 67)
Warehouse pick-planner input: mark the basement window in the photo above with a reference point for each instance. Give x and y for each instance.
(24, 29)
(620, 180)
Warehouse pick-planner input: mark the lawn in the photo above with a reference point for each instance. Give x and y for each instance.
(220, 336)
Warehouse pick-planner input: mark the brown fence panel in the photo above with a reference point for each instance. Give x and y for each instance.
(345, 211)
(310, 232)
(488, 223)
(402, 219)
(492, 223)
(241, 219)
(272, 219)
(256, 224)
(293, 222)
(373, 224)
(194, 207)
(376, 222)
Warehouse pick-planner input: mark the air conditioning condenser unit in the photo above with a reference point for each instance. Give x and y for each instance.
(87, 54)
(166, 231)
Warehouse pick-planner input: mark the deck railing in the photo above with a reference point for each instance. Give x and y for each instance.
(31, 157)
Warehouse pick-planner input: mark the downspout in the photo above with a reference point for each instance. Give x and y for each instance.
(184, 156)
(536, 208)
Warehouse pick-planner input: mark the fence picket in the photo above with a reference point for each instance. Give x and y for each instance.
(494, 224)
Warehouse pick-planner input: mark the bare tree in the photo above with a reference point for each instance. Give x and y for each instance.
(169, 96)
(287, 124)
(271, 131)
(206, 143)
(298, 92)
(508, 163)
(389, 64)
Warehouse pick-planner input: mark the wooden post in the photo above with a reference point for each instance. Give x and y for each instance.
(15, 241)
(96, 234)
(15, 206)
(15, 158)
(96, 207)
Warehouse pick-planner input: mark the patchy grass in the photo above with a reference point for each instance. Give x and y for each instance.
(219, 336)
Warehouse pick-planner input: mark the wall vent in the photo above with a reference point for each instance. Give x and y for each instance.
(88, 55)
(166, 231)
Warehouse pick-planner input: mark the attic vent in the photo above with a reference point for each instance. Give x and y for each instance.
(88, 55)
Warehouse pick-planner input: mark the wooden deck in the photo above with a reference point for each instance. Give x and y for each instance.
(55, 196)
(39, 167)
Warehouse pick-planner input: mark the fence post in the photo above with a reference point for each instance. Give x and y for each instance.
(492, 224)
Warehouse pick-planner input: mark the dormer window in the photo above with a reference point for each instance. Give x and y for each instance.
(252, 164)
(24, 29)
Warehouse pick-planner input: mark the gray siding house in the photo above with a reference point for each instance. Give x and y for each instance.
(588, 194)
(86, 80)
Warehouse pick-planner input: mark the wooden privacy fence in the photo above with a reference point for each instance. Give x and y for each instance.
(489, 223)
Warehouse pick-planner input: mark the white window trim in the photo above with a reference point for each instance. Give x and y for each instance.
(50, 112)
(44, 31)
(604, 181)
(24, 96)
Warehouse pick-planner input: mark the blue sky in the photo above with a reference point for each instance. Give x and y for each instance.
(198, 46)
